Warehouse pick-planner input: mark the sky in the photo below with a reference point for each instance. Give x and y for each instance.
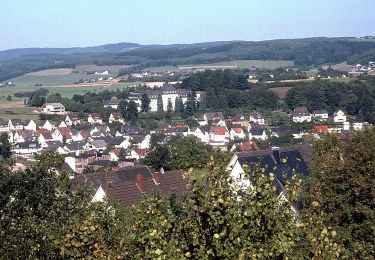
(78, 23)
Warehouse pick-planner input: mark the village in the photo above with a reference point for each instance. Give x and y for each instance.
(98, 145)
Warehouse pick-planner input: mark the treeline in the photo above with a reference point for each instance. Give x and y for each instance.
(355, 98)
(227, 89)
(304, 52)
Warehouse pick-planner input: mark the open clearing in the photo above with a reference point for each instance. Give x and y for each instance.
(280, 91)
(51, 72)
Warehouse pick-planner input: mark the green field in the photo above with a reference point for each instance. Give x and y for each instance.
(23, 113)
(30, 80)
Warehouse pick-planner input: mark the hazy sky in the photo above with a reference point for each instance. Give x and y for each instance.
(67, 23)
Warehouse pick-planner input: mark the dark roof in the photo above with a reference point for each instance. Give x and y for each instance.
(320, 112)
(256, 115)
(282, 130)
(16, 121)
(215, 115)
(282, 162)
(75, 145)
(114, 140)
(53, 145)
(121, 185)
(3, 123)
(29, 145)
(256, 130)
(137, 138)
(239, 117)
(300, 111)
(130, 129)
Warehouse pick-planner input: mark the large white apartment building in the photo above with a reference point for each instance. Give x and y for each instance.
(166, 95)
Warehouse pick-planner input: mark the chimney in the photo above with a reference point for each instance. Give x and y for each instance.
(141, 182)
(157, 176)
(276, 154)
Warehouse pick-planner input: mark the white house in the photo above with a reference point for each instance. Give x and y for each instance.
(320, 115)
(339, 117)
(357, 126)
(257, 117)
(30, 125)
(15, 124)
(237, 132)
(45, 124)
(116, 117)
(280, 162)
(53, 108)
(72, 119)
(201, 133)
(141, 141)
(256, 132)
(94, 118)
(300, 115)
(219, 135)
(4, 127)
(27, 148)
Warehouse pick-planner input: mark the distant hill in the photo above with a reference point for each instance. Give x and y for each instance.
(17, 53)
(304, 52)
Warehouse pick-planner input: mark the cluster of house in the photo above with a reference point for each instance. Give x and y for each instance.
(341, 124)
(84, 145)
(3, 84)
(364, 68)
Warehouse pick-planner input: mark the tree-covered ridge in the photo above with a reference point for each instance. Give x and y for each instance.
(304, 52)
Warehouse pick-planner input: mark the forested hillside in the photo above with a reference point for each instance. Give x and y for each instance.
(304, 52)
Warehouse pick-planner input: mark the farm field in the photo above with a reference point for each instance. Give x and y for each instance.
(46, 79)
(64, 76)
(23, 113)
(240, 64)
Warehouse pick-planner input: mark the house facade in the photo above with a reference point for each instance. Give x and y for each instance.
(53, 109)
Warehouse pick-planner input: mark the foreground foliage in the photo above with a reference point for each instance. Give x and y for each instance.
(341, 190)
(41, 216)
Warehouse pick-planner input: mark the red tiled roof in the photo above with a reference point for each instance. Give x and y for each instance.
(220, 130)
(25, 132)
(141, 151)
(84, 133)
(65, 131)
(238, 130)
(42, 131)
(117, 151)
(321, 128)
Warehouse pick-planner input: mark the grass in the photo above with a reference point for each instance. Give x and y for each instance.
(23, 113)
